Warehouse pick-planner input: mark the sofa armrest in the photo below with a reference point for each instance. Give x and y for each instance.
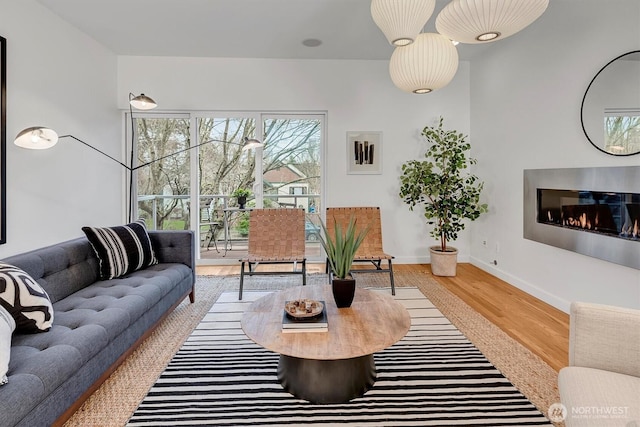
(175, 246)
(605, 337)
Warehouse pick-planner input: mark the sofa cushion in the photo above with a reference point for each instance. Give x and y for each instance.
(7, 326)
(598, 398)
(25, 299)
(121, 249)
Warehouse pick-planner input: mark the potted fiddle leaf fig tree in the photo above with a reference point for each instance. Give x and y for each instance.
(341, 247)
(448, 193)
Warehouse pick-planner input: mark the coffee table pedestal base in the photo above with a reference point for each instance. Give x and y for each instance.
(327, 381)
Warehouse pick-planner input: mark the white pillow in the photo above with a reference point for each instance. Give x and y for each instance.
(7, 326)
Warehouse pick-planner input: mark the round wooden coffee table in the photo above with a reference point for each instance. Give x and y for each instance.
(334, 366)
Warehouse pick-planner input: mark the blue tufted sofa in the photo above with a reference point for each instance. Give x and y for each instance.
(97, 324)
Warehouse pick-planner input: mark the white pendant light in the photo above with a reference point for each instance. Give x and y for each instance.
(401, 20)
(481, 21)
(427, 64)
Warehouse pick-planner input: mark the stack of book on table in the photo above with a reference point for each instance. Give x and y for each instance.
(316, 323)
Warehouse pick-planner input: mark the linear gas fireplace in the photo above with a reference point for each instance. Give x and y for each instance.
(609, 213)
(592, 211)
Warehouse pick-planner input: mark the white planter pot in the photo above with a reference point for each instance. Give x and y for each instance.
(443, 263)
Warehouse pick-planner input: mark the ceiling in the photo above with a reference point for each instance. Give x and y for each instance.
(236, 28)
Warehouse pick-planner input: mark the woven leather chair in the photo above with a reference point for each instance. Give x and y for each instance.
(276, 236)
(371, 248)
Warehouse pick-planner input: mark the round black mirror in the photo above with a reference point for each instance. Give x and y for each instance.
(610, 111)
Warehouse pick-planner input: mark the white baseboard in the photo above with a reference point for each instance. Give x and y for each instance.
(523, 285)
(426, 259)
(559, 303)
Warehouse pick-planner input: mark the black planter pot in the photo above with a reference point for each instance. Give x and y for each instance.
(343, 291)
(242, 200)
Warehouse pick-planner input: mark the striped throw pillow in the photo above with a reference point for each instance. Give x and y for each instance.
(121, 249)
(25, 299)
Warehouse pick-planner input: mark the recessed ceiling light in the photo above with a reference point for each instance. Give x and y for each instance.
(312, 42)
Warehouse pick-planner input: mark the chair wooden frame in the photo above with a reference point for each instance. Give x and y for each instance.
(370, 251)
(276, 236)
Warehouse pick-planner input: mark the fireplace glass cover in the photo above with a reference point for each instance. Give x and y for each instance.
(606, 213)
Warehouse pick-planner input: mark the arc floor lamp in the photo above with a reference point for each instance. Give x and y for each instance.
(42, 138)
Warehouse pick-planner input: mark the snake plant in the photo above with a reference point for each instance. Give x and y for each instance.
(341, 247)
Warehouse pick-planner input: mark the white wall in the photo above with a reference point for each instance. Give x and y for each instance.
(519, 102)
(525, 114)
(357, 96)
(59, 78)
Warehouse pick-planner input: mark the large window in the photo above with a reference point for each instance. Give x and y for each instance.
(223, 165)
(223, 168)
(292, 162)
(284, 173)
(163, 187)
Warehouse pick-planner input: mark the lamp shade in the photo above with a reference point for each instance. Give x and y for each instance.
(142, 102)
(427, 64)
(248, 144)
(481, 21)
(401, 20)
(36, 138)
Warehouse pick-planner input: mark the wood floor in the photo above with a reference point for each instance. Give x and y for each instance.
(538, 326)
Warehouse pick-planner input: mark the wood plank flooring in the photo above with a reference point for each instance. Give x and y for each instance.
(541, 328)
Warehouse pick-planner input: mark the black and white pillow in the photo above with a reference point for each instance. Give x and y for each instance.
(25, 300)
(121, 249)
(7, 326)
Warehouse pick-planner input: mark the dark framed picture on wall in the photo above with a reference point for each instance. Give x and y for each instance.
(3, 139)
(364, 152)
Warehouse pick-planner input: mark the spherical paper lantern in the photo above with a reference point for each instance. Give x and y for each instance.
(427, 64)
(401, 20)
(481, 21)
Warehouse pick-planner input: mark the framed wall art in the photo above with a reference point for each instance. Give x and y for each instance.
(364, 152)
(3, 140)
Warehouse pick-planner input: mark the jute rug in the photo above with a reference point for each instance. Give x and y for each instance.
(115, 402)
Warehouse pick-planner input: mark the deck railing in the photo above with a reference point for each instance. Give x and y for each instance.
(171, 212)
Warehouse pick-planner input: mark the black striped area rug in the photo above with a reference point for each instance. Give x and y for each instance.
(434, 376)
